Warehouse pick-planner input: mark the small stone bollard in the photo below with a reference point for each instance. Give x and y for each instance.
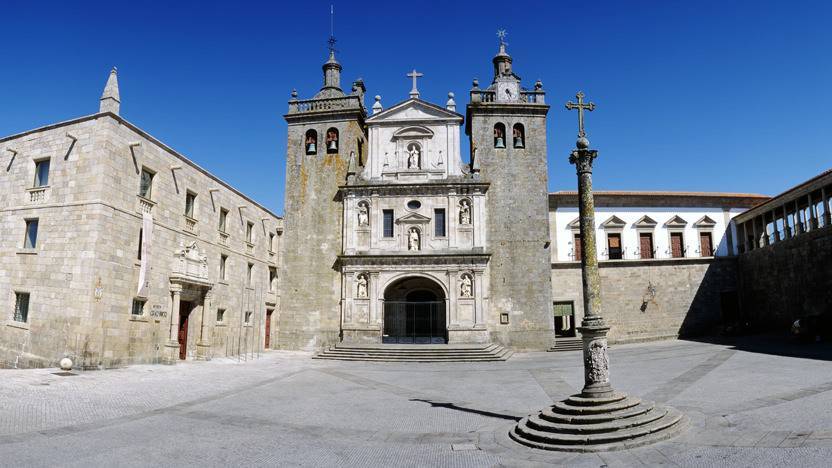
(66, 364)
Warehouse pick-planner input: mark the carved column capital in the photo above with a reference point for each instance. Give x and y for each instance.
(582, 159)
(176, 288)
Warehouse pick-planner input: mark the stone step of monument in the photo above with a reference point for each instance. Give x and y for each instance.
(620, 430)
(556, 417)
(416, 353)
(566, 407)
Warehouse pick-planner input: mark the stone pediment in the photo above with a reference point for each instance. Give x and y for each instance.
(413, 218)
(705, 221)
(613, 222)
(676, 221)
(575, 225)
(413, 133)
(414, 110)
(645, 222)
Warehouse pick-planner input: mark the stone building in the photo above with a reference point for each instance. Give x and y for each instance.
(116, 249)
(666, 261)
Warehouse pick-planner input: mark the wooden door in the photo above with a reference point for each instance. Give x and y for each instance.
(576, 243)
(268, 327)
(705, 244)
(184, 313)
(676, 245)
(646, 244)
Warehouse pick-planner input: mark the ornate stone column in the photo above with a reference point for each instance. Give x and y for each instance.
(171, 353)
(203, 345)
(599, 418)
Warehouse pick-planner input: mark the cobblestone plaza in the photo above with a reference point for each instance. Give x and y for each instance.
(284, 409)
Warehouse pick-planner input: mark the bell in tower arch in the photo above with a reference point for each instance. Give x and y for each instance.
(499, 136)
(332, 140)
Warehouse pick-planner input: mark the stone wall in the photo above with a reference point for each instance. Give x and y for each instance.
(786, 280)
(687, 300)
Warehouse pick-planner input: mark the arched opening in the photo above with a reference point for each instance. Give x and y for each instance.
(332, 140)
(499, 135)
(519, 136)
(311, 141)
(414, 312)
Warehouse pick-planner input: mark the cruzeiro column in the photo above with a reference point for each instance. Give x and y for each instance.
(598, 418)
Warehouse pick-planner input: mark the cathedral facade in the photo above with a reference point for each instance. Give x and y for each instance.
(393, 238)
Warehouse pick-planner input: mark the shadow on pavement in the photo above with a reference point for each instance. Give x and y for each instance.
(772, 343)
(454, 407)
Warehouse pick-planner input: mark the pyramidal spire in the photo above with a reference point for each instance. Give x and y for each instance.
(110, 100)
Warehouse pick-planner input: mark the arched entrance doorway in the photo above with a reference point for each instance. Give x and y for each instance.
(414, 312)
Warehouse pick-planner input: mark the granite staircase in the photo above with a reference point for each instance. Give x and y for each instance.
(416, 352)
(566, 344)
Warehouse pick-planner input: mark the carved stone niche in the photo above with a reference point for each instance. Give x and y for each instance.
(362, 229)
(190, 263)
(466, 304)
(465, 223)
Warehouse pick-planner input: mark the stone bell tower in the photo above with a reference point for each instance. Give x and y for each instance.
(506, 125)
(325, 134)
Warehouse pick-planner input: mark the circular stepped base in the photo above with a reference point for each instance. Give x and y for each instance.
(614, 422)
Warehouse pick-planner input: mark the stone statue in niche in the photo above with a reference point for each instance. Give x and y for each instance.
(466, 286)
(413, 156)
(361, 287)
(413, 239)
(439, 160)
(363, 214)
(386, 159)
(464, 212)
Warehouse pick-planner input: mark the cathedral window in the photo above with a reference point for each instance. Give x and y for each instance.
(388, 223)
(439, 222)
(223, 220)
(249, 232)
(21, 307)
(499, 135)
(190, 203)
(250, 275)
(138, 306)
(223, 266)
(31, 239)
(519, 136)
(311, 142)
(332, 140)
(272, 279)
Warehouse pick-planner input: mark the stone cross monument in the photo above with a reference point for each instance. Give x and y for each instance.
(598, 418)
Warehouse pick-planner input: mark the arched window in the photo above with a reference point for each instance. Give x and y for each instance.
(519, 136)
(311, 144)
(499, 135)
(332, 140)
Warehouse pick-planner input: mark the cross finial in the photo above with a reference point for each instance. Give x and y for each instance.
(581, 106)
(331, 41)
(501, 33)
(414, 93)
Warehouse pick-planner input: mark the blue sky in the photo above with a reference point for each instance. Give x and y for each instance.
(706, 96)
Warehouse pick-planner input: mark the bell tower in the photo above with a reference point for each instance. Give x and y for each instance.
(325, 133)
(506, 125)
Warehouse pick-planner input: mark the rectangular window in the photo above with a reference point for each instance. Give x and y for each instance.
(388, 222)
(223, 220)
(439, 222)
(138, 307)
(248, 318)
(21, 307)
(250, 232)
(190, 202)
(576, 247)
(145, 184)
(42, 173)
(614, 246)
(272, 279)
(220, 315)
(250, 274)
(223, 263)
(676, 245)
(271, 242)
(645, 246)
(139, 254)
(31, 240)
(706, 246)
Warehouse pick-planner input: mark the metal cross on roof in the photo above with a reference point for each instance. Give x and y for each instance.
(581, 108)
(414, 93)
(501, 33)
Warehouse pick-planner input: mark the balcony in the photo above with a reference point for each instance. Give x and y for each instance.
(144, 205)
(191, 225)
(324, 105)
(38, 195)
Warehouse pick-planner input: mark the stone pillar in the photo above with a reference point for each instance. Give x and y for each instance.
(203, 345)
(786, 230)
(171, 354)
(813, 216)
(593, 329)
(827, 218)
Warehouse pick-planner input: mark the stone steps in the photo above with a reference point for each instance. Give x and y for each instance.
(416, 353)
(614, 422)
(566, 344)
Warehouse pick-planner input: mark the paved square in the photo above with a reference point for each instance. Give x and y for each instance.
(761, 402)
